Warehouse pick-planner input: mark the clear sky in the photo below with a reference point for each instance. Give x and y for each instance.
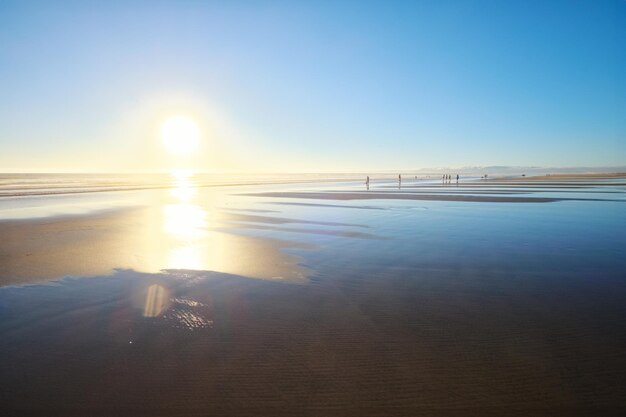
(313, 86)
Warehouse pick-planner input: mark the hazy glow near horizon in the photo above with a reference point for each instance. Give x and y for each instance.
(180, 135)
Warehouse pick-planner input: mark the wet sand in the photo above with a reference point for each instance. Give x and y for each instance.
(388, 309)
(400, 344)
(38, 250)
(378, 195)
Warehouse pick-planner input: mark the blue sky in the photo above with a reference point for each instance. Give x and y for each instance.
(313, 86)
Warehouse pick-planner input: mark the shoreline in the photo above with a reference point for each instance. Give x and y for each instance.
(83, 189)
(214, 301)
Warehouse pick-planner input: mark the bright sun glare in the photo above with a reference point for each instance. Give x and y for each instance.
(180, 135)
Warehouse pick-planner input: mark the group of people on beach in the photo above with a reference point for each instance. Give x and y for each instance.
(446, 178)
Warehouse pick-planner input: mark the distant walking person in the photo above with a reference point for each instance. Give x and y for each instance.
(367, 182)
(399, 178)
(457, 178)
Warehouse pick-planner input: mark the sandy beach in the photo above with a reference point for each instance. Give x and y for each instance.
(271, 300)
(312, 208)
(143, 237)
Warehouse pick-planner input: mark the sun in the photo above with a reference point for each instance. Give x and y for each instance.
(180, 135)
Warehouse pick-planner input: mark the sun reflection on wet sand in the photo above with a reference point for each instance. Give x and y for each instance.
(183, 228)
(185, 257)
(184, 221)
(184, 188)
(190, 240)
(186, 224)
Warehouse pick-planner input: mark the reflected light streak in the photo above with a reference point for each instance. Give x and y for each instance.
(184, 189)
(184, 221)
(183, 192)
(156, 300)
(186, 257)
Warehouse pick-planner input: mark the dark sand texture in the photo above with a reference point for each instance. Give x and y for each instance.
(412, 343)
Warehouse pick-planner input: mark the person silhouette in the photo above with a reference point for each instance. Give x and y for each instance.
(367, 182)
(457, 178)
